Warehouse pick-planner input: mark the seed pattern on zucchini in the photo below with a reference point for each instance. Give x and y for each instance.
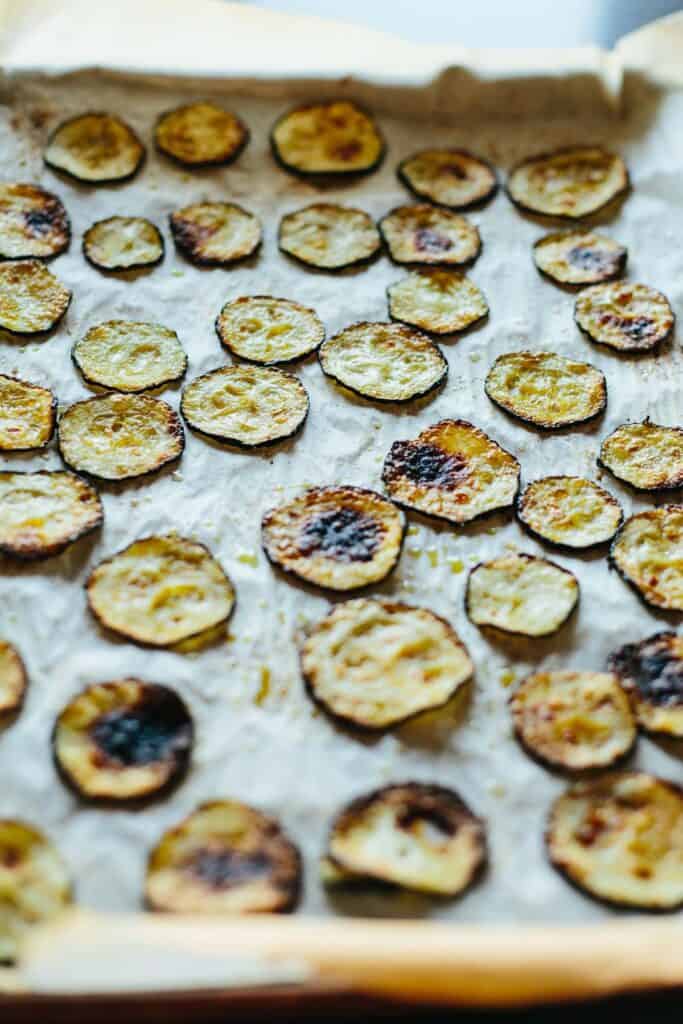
(27, 415)
(328, 236)
(421, 233)
(578, 258)
(130, 356)
(42, 513)
(265, 330)
(215, 234)
(651, 671)
(327, 138)
(33, 223)
(624, 316)
(569, 183)
(32, 299)
(645, 455)
(438, 301)
(13, 682)
(648, 553)
(521, 594)
(569, 511)
(97, 149)
(546, 389)
(449, 177)
(123, 243)
(201, 134)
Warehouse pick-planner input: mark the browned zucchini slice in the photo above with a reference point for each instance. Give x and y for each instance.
(569, 183)
(328, 236)
(248, 406)
(624, 316)
(265, 330)
(224, 858)
(123, 243)
(416, 836)
(160, 590)
(452, 470)
(13, 681)
(33, 222)
(32, 299)
(384, 362)
(27, 415)
(95, 148)
(124, 740)
(620, 839)
(215, 234)
(201, 134)
(336, 137)
(645, 455)
(421, 233)
(569, 511)
(546, 389)
(438, 301)
(579, 258)
(42, 513)
(130, 356)
(521, 594)
(449, 177)
(648, 553)
(651, 671)
(118, 437)
(340, 538)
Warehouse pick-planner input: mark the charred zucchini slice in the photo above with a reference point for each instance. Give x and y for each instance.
(569, 511)
(97, 149)
(452, 470)
(201, 134)
(124, 740)
(123, 243)
(32, 299)
(645, 455)
(327, 138)
(620, 839)
(265, 330)
(648, 553)
(449, 177)
(118, 437)
(160, 590)
(224, 858)
(27, 415)
(13, 681)
(340, 538)
(328, 236)
(569, 183)
(624, 316)
(130, 356)
(384, 362)
(438, 301)
(521, 594)
(546, 389)
(33, 223)
(421, 233)
(412, 835)
(579, 258)
(651, 671)
(42, 513)
(215, 234)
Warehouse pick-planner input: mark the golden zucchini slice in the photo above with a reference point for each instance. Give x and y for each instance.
(336, 137)
(384, 362)
(328, 236)
(651, 671)
(124, 740)
(118, 437)
(123, 243)
(438, 301)
(416, 836)
(624, 316)
(449, 177)
(648, 553)
(579, 257)
(201, 134)
(224, 858)
(32, 299)
(97, 149)
(569, 511)
(340, 538)
(645, 455)
(13, 680)
(42, 513)
(160, 590)
(421, 233)
(546, 390)
(569, 183)
(130, 356)
(33, 223)
(620, 839)
(27, 415)
(521, 594)
(265, 330)
(452, 470)
(215, 234)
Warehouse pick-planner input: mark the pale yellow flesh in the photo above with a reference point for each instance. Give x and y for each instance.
(129, 355)
(267, 330)
(645, 455)
(602, 257)
(606, 311)
(327, 138)
(571, 183)
(19, 239)
(32, 299)
(44, 510)
(448, 177)
(329, 236)
(570, 511)
(224, 231)
(26, 415)
(12, 679)
(200, 133)
(530, 596)
(649, 552)
(440, 301)
(122, 242)
(95, 147)
(546, 389)
(426, 234)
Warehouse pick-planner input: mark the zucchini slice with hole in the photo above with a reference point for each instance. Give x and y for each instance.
(648, 553)
(201, 135)
(420, 233)
(449, 177)
(123, 243)
(42, 513)
(521, 594)
(335, 137)
(95, 148)
(651, 672)
(215, 234)
(328, 236)
(130, 356)
(265, 330)
(33, 223)
(32, 299)
(13, 681)
(578, 258)
(624, 316)
(569, 511)
(438, 301)
(568, 183)
(645, 455)
(27, 415)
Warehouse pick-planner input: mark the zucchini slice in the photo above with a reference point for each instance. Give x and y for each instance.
(118, 437)
(328, 236)
(224, 858)
(340, 538)
(97, 149)
(247, 406)
(33, 222)
(438, 301)
(42, 513)
(383, 362)
(123, 740)
(13, 680)
(569, 511)
(336, 137)
(624, 316)
(420, 233)
(521, 594)
(648, 553)
(619, 838)
(160, 590)
(27, 415)
(201, 134)
(449, 177)
(569, 183)
(645, 455)
(265, 330)
(651, 671)
(377, 663)
(546, 389)
(452, 470)
(416, 836)
(123, 243)
(32, 299)
(578, 258)
(215, 234)
(130, 356)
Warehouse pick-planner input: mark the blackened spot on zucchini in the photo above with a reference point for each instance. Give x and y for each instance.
(455, 171)
(425, 464)
(429, 240)
(637, 328)
(343, 534)
(348, 150)
(41, 222)
(440, 823)
(190, 235)
(654, 668)
(586, 258)
(223, 868)
(155, 729)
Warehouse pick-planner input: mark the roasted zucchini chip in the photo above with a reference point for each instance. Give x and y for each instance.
(579, 257)
(97, 149)
(569, 511)
(411, 835)
(652, 673)
(645, 455)
(327, 138)
(265, 330)
(160, 590)
(215, 234)
(546, 390)
(421, 233)
(130, 355)
(624, 316)
(123, 243)
(452, 470)
(224, 858)
(449, 177)
(32, 299)
(620, 839)
(124, 740)
(384, 362)
(42, 513)
(33, 223)
(27, 415)
(328, 236)
(201, 134)
(340, 538)
(438, 301)
(13, 682)
(376, 663)
(569, 183)
(118, 437)
(521, 594)
(648, 553)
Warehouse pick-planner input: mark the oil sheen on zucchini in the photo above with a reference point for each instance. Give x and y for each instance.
(420, 233)
(521, 594)
(123, 243)
(578, 258)
(27, 415)
(32, 299)
(95, 148)
(436, 300)
(328, 236)
(569, 511)
(332, 138)
(546, 389)
(569, 183)
(130, 356)
(645, 455)
(42, 513)
(449, 177)
(624, 316)
(201, 134)
(648, 553)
